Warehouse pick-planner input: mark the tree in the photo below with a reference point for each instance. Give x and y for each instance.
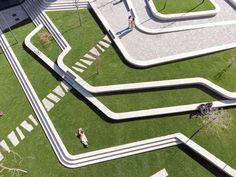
(13, 171)
(216, 121)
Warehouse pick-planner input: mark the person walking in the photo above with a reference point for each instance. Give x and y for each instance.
(130, 22)
(133, 23)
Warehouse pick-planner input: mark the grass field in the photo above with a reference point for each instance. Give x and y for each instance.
(74, 112)
(181, 6)
(218, 67)
(50, 48)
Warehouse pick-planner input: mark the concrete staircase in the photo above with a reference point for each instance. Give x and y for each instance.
(38, 16)
(64, 5)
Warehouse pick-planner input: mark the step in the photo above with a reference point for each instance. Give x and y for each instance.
(80, 65)
(104, 44)
(66, 86)
(86, 61)
(134, 147)
(21, 135)
(126, 154)
(161, 173)
(47, 104)
(78, 69)
(4, 145)
(87, 56)
(1, 156)
(28, 127)
(33, 120)
(94, 51)
(13, 138)
(100, 48)
(106, 38)
(53, 97)
(59, 91)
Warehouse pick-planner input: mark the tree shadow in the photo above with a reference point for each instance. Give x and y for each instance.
(224, 70)
(190, 10)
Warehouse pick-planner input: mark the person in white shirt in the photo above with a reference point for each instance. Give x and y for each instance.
(81, 135)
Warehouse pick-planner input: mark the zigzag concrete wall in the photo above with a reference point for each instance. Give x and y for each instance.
(102, 155)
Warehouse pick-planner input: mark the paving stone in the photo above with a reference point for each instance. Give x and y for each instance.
(53, 97)
(89, 57)
(47, 104)
(27, 126)
(66, 86)
(4, 145)
(18, 130)
(59, 91)
(100, 48)
(78, 69)
(94, 51)
(80, 65)
(86, 61)
(31, 117)
(106, 38)
(104, 44)
(1, 156)
(13, 139)
(162, 173)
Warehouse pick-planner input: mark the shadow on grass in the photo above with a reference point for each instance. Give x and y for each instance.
(107, 119)
(10, 30)
(199, 87)
(224, 70)
(55, 75)
(190, 10)
(202, 161)
(77, 23)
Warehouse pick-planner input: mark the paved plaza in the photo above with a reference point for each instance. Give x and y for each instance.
(168, 44)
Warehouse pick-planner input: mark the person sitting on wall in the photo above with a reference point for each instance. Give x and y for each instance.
(205, 109)
(202, 109)
(208, 107)
(81, 135)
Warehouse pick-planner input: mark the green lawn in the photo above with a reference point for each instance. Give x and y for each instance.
(112, 69)
(74, 112)
(51, 49)
(13, 102)
(181, 6)
(215, 67)
(83, 36)
(40, 160)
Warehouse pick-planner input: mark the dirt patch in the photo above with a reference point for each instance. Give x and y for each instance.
(45, 38)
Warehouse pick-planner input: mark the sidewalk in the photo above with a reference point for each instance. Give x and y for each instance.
(146, 47)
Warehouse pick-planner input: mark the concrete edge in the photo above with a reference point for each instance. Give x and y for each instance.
(144, 29)
(183, 16)
(34, 101)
